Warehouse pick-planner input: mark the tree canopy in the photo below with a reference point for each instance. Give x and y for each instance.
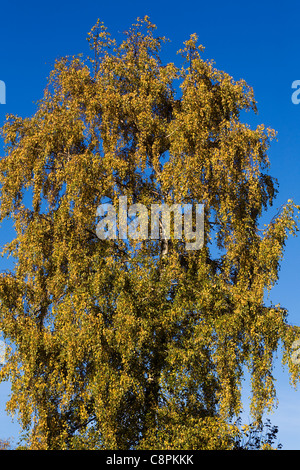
(139, 344)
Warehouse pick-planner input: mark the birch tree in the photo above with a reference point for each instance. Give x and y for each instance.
(140, 343)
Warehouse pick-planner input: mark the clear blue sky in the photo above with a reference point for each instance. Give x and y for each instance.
(258, 41)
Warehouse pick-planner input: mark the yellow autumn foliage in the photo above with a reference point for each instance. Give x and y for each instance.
(112, 345)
